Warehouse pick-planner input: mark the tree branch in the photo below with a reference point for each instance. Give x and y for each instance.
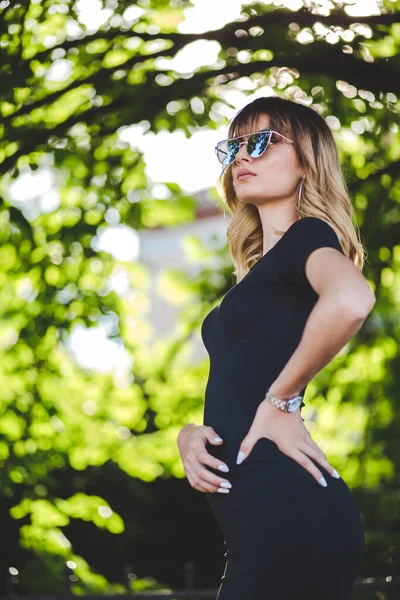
(148, 103)
(278, 17)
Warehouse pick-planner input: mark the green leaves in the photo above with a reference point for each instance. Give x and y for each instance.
(70, 170)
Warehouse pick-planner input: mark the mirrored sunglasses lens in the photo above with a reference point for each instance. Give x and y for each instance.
(232, 149)
(257, 143)
(227, 150)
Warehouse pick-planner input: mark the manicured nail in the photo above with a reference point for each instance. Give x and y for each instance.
(224, 468)
(226, 484)
(223, 491)
(218, 439)
(335, 474)
(239, 457)
(323, 481)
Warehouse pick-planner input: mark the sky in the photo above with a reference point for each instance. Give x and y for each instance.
(163, 153)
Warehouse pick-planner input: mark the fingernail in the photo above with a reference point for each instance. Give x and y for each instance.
(335, 474)
(239, 457)
(218, 439)
(224, 468)
(323, 481)
(226, 484)
(223, 491)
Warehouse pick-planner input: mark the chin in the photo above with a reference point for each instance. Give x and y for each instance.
(252, 197)
(253, 201)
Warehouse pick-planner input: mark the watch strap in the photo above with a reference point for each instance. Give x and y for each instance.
(279, 402)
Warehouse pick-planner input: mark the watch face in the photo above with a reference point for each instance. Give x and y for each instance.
(294, 404)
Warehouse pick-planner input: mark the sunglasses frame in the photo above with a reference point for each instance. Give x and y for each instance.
(248, 135)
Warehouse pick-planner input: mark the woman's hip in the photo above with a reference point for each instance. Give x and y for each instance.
(280, 499)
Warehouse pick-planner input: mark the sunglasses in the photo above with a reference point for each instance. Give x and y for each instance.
(257, 143)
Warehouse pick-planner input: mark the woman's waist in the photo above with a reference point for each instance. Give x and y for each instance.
(264, 450)
(234, 397)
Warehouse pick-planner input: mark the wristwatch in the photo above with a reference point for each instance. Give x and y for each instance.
(289, 405)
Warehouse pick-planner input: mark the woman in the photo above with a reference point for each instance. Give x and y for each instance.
(291, 526)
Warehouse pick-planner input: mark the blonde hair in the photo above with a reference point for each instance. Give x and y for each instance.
(324, 192)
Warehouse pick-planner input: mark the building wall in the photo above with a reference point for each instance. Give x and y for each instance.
(162, 248)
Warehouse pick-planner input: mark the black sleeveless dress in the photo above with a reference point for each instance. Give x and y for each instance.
(286, 536)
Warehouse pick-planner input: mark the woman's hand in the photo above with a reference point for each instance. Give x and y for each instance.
(291, 436)
(191, 441)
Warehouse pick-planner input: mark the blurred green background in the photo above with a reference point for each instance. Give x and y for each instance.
(90, 471)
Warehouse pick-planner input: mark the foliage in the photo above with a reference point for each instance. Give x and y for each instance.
(57, 418)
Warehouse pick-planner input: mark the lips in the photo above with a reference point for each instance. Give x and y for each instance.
(244, 174)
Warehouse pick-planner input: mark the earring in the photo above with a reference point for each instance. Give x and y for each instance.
(229, 227)
(300, 189)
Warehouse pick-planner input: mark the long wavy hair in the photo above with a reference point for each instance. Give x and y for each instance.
(324, 192)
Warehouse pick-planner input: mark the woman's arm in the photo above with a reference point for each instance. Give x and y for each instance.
(345, 300)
